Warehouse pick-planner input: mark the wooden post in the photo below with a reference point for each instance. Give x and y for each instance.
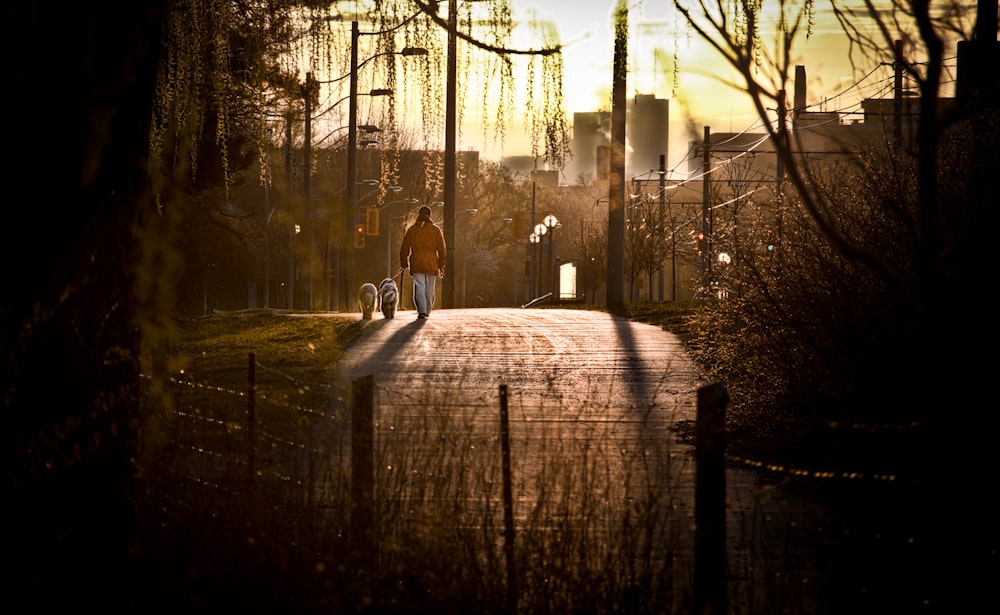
(710, 502)
(362, 471)
(508, 503)
(251, 417)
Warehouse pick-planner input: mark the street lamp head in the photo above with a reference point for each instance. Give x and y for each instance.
(369, 182)
(380, 92)
(369, 128)
(413, 51)
(367, 141)
(541, 229)
(394, 188)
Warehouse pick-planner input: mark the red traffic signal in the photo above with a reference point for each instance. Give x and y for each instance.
(359, 236)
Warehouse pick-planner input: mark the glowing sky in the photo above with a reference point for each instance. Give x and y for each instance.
(665, 60)
(697, 98)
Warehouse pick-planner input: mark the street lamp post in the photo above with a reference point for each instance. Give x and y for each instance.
(352, 150)
(465, 249)
(296, 229)
(267, 258)
(515, 294)
(309, 90)
(551, 222)
(513, 224)
(536, 271)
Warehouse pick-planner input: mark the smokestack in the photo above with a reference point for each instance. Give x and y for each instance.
(800, 91)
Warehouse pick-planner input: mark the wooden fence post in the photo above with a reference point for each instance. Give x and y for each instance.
(251, 418)
(508, 502)
(362, 471)
(710, 502)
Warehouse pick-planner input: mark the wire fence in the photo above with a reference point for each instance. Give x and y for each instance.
(255, 459)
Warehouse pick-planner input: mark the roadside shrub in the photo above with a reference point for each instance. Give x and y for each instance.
(809, 334)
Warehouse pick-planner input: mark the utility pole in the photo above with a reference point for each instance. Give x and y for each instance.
(897, 96)
(450, 157)
(307, 184)
(290, 289)
(663, 187)
(536, 253)
(616, 184)
(706, 242)
(350, 252)
(782, 149)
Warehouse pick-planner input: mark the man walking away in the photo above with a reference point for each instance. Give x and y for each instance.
(423, 252)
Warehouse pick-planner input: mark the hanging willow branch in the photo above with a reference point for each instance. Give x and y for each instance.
(218, 65)
(546, 122)
(431, 11)
(228, 69)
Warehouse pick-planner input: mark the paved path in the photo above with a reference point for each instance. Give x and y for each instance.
(602, 386)
(592, 400)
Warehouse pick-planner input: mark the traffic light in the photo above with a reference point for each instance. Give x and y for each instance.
(371, 221)
(700, 241)
(359, 236)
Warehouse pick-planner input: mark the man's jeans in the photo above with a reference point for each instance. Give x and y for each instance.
(424, 285)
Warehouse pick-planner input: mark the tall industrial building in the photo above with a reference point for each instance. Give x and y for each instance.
(647, 133)
(591, 134)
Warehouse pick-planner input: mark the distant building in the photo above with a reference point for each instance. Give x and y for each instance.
(522, 165)
(545, 178)
(647, 134)
(591, 132)
(816, 133)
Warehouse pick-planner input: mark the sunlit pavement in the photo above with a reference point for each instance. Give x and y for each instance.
(587, 391)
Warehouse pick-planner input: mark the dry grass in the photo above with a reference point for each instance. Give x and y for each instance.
(276, 538)
(231, 527)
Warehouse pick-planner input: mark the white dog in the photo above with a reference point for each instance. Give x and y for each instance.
(388, 294)
(367, 299)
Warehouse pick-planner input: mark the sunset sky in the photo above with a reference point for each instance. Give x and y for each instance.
(697, 97)
(665, 60)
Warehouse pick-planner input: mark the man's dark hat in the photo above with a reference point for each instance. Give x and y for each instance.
(425, 212)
